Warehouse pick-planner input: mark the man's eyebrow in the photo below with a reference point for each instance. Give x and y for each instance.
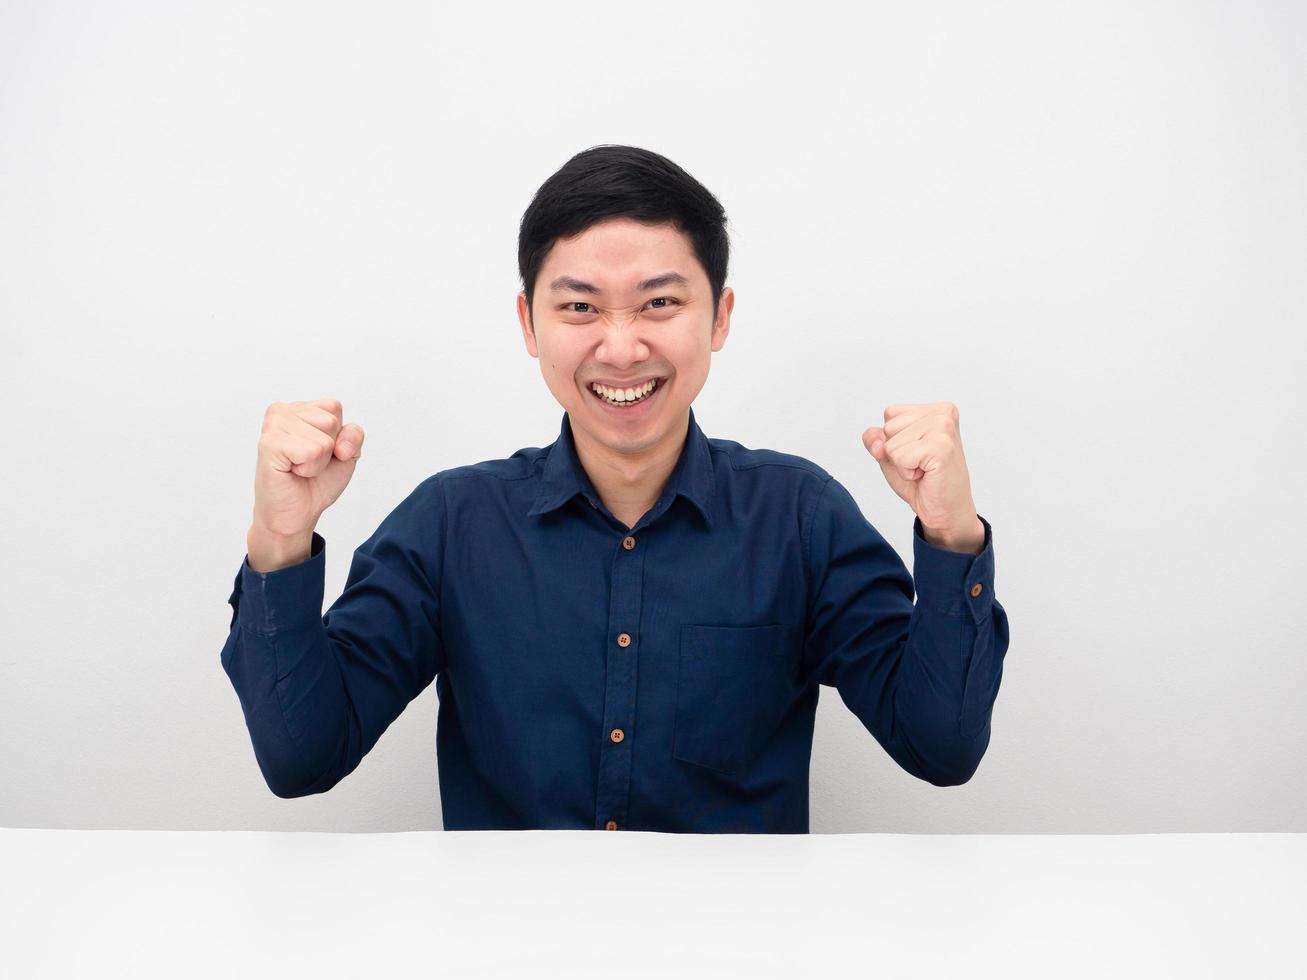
(657, 282)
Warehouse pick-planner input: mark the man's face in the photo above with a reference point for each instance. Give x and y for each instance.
(592, 322)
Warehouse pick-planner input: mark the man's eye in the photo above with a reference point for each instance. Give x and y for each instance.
(571, 307)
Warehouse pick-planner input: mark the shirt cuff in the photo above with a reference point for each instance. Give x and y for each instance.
(282, 600)
(952, 582)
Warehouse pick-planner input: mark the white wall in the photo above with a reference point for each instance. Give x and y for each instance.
(1084, 224)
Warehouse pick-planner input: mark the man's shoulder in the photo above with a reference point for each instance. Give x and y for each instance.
(768, 463)
(521, 465)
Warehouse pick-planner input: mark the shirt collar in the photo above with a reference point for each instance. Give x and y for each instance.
(563, 476)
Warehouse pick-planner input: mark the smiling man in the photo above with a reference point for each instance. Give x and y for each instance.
(628, 628)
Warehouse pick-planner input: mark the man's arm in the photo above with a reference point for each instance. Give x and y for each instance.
(318, 691)
(921, 678)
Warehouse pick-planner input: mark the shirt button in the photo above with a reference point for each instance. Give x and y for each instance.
(623, 639)
(628, 543)
(611, 825)
(976, 590)
(594, 505)
(617, 735)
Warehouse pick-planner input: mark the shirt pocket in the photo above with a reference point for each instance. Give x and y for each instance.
(732, 687)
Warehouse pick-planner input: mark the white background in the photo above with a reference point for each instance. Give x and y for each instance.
(1083, 224)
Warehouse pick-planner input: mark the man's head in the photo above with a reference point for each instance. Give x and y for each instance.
(623, 260)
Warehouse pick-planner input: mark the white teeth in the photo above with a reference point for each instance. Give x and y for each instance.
(620, 396)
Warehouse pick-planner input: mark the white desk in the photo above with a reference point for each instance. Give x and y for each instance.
(626, 904)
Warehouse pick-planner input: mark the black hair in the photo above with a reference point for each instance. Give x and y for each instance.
(612, 180)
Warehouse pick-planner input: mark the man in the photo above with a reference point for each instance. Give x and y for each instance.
(627, 628)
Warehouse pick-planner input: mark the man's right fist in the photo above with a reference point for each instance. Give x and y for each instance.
(306, 459)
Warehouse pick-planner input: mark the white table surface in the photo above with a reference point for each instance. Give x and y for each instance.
(598, 904)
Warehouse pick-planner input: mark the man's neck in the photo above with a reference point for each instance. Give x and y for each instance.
(630, 483)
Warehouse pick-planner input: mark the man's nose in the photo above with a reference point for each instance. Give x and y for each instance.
(623, 343)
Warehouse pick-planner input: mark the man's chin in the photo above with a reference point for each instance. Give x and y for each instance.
(600, 428)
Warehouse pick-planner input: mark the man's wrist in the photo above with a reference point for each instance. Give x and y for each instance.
(269, 552)
(969, 543)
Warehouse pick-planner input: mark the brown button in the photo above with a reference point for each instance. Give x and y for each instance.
(617, 735)
(976, 590)
(623, 639)
(611, 825)
(628, 543)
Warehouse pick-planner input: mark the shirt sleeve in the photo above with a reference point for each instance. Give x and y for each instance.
(318, 691)
(922, 677)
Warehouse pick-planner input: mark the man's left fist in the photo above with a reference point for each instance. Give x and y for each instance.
(919, 449)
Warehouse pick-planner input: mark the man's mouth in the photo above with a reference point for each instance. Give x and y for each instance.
(626, 397)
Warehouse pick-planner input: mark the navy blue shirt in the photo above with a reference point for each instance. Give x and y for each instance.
(662, 677)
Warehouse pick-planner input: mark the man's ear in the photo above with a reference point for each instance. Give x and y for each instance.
(528, 331)
(722, 324)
